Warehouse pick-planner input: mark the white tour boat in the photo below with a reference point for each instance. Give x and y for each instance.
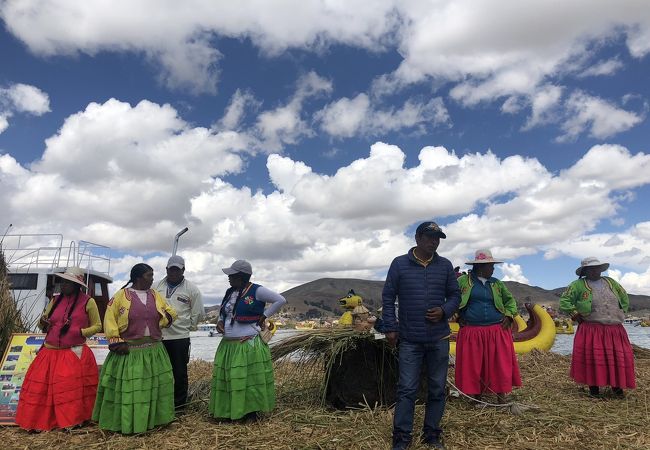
(32, 261)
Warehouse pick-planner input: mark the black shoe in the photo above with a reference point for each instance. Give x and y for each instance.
(251, 417)
(594, 391)
(433, 442)
(401, 442)
(618, 392)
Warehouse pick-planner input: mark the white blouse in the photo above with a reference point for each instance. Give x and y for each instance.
(235, 329)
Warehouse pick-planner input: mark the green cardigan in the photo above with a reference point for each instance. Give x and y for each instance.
(504, 302)
(578, 296)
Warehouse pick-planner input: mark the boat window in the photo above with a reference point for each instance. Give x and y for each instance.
(23, 281)
(98, 290)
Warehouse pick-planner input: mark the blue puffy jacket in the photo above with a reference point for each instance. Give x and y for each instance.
(418, 288)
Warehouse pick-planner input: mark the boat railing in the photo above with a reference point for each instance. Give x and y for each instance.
(33, 251)
(47, 251)
(93, 256)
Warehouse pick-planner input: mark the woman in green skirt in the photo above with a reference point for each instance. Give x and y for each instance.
(136, 386)
(242, 378)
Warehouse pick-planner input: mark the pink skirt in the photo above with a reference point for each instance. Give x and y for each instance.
(59, 390)
(602, 356)
(485, 360)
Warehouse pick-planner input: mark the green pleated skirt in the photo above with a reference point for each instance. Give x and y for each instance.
(136, 391)
(242, 379)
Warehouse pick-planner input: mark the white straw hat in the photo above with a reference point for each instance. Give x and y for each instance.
(74, 274)
(591, 261)
(483, 256)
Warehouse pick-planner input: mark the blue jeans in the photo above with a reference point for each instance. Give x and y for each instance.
(411, 356)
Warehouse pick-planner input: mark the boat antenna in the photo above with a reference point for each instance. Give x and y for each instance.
(178, 235)
(6, 231)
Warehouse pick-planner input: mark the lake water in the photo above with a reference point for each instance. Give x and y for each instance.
(638, 335)
(204, 346)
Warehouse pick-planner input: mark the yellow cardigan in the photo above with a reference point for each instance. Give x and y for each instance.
(116, 320)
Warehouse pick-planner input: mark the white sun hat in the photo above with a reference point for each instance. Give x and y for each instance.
(74, 274)
(483, 256)
(591, 261)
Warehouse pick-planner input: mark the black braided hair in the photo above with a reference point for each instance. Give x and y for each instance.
(245, 277)
(66, 323)
(136, 272)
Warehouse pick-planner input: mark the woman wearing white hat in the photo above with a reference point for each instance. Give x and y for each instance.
(242, 377)
(60, 385)
(485, 355)
(602, 353)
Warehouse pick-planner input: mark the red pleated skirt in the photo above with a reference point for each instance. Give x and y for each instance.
(59, 390)
(485, 360)
(602, 356)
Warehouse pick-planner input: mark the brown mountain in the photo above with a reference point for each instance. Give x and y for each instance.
(319, 298)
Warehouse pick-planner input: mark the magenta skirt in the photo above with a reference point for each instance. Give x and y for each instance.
(602, 356)
(485, 360)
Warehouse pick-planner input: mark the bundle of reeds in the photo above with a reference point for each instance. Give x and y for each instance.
(10, 318)
(313, 344)
(350, 367)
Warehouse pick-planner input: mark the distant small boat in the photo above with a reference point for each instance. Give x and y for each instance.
(564, 326)
(632, 321)
(207, 327)
(304, 326)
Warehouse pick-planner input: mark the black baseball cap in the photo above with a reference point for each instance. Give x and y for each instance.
(431, 228)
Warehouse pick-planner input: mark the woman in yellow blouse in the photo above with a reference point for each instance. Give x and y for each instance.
(136, 389)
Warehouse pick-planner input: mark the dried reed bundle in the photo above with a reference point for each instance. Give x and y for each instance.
(10, 318)
(350, 366)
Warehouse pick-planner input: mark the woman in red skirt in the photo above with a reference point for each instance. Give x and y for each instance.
(602, 353)
(485, 353)
(61, 383)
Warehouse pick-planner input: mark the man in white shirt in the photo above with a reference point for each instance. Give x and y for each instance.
(185, 298)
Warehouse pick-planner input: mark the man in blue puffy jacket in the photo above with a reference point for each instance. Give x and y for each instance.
(424, 284)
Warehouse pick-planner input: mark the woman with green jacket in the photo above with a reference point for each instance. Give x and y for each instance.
(485, 355)
(602, 353)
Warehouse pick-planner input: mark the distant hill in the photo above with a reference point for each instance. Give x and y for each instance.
(320, 297)
(323, 295)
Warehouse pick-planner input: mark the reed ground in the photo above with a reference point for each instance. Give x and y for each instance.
(563, 417)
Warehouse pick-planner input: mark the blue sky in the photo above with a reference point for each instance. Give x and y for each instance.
(312, 137)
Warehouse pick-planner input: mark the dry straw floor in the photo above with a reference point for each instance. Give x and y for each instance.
(564, 417)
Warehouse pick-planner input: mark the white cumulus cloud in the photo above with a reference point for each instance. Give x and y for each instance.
(147, 173)
(607, 67)
(28, 99)
(513, 272)
(285, 124)
(21, 98)
(179, 37)
(348, 117)
(599, 117)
